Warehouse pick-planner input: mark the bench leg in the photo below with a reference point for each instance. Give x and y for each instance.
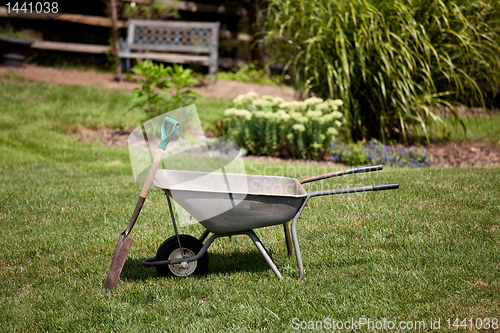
(212, 71)
(124, 65)
(120, 71)
(210, 80)
(128, 65)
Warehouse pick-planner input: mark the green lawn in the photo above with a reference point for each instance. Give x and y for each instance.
(486, 129)
(428, 250)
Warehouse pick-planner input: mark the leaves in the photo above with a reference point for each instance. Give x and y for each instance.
(155, 81)
(391, 62)
(270, 126)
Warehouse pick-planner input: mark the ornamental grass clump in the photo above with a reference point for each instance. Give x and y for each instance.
(391, 62)
(270, 126)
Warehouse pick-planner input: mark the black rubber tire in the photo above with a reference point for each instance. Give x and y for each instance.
(187, 242)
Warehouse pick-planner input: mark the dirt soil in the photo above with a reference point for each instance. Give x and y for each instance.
(442, 155)
(221, 89)
(464, 154)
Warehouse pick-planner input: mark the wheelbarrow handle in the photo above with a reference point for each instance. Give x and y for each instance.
(369, 168)
(379, 187)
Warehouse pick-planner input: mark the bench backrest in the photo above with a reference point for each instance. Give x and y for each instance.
(173, 36)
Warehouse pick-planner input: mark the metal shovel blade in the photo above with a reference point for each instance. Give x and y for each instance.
(121, 252)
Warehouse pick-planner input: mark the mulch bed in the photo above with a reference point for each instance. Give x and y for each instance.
(452, 155)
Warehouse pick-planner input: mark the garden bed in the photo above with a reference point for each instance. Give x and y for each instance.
(443, 155)
(466, 154)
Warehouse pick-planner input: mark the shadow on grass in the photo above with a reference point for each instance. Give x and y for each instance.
(236, 261)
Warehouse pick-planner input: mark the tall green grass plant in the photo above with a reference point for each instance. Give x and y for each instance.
(389, 61)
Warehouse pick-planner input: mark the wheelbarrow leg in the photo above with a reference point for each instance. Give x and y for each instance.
(297, 249)
(263, 251)
(204, 235)
(295, 239)
(287, 239)
(380, 187)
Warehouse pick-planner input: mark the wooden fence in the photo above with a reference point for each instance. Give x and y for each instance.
(115, 24)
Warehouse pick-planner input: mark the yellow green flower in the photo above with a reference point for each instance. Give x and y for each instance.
(299, 127)
(331, 131)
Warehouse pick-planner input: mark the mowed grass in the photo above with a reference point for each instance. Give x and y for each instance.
(428, 250)
(484, 129)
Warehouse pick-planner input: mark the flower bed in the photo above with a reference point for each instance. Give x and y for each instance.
(377, 153)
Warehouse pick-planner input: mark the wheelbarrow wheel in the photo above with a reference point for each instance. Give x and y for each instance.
(190, 247)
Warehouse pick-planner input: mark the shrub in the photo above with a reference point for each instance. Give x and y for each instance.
(389, 61)
(156, 78)
(250, 73)
(377, 153)
(271, 126)
(150, 10)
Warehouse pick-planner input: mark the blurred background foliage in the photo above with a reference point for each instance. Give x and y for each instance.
(398, 66)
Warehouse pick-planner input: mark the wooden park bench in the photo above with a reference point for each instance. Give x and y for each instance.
(171, 41)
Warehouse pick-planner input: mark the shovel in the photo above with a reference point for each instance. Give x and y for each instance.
(125, 241)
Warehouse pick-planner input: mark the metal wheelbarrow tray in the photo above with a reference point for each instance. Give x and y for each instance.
(247, 202)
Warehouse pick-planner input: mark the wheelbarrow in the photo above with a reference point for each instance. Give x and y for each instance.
(251, 202)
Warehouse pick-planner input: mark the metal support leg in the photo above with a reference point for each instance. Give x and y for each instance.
(295, 239)
(263, 251)
(204, 235)
(379, 187)
(152, 262)
(288, 240)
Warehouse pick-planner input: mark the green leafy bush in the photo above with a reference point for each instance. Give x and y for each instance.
(390, 61)
(251, 74)
(150, 10)
(270, 126)
(155, 78)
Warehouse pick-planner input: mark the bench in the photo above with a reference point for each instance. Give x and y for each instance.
(188, 42)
